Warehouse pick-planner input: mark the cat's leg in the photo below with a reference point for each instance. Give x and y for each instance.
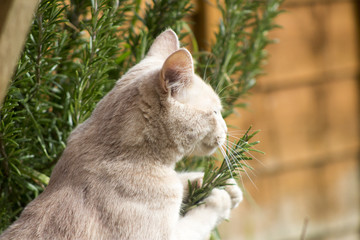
(198, 222)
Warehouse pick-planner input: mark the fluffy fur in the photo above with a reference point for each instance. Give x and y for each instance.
(116, 178)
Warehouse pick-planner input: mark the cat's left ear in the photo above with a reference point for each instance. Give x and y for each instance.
(164, 45)
(177, 71)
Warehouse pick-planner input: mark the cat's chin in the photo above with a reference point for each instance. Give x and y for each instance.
(204, 150)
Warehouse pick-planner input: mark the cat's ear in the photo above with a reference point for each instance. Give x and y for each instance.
(177, 71)
(164, 45)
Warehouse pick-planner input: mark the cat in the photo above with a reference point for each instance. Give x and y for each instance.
(116, 177)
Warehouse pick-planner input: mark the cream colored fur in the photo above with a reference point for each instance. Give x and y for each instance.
(116, 178)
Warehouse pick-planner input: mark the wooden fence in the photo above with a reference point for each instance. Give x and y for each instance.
(307, 107)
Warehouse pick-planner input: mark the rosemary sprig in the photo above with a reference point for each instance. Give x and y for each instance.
(216, 177)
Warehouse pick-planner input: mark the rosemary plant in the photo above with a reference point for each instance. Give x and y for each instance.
(238, 54)
(66, 67)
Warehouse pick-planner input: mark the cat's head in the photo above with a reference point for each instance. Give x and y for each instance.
(162, 104)
(186, 91)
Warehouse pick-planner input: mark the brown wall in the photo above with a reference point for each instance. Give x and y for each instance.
(307, 107)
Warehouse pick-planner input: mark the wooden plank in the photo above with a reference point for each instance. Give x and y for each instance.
(4, 10)
(15, 20)
(324, 194)
(315, 41)
(301, 123)
(206, 19)
(297, 3)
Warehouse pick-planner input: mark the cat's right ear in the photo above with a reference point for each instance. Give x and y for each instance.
(177, 71)
(164, 45)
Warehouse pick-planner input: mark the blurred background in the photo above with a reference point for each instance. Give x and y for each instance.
(307, 107)
(307, 185)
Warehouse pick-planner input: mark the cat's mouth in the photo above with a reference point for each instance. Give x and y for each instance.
(209, 145)
(206, 148)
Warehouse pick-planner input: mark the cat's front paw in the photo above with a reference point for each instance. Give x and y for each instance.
(234, 191)
(220, 201)
(195, 179)
(223, 200)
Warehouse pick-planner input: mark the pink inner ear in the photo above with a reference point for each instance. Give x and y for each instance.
(177, 71)
(164, 45)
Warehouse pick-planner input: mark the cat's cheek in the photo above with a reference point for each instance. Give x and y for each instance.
(191, 137)
(204, 148)
(209, 150)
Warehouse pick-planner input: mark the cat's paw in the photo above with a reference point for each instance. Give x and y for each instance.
(195, 179)
(223, 200)
(235, 192)
(220, 201)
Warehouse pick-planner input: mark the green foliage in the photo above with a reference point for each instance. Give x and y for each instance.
(96, 55)
(75, 52)
(158, 16)
(237, 56)
(28, 127)
(65, 69)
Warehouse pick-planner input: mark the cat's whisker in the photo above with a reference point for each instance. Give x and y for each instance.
(253, 157)
(234, 136)
(225, 156)
(226, 98)
(206, 67)
(237, 133)
(241, 130)
(228, 162)
(233, 145)
(239, 172)
(247, 174)
(192, 150)
(230, 85)
(237, 155)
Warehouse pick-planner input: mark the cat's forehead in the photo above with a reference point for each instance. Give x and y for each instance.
(207, 93)
(200, 95)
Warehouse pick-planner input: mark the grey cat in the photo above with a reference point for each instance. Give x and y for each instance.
(116, 178)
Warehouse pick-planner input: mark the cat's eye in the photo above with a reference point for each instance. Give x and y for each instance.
(215, 112)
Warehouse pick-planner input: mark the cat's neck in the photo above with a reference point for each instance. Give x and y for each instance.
(87, 147)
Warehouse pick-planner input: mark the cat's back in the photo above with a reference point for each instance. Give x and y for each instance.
(59, 214)
(99, 208)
